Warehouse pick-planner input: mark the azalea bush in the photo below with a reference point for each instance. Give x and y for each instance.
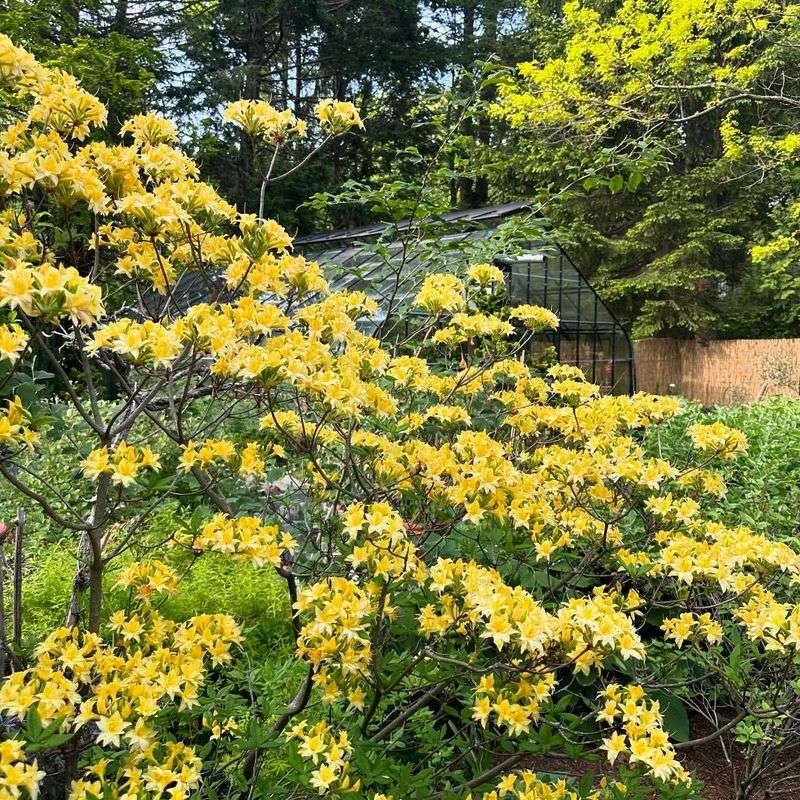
(764, 482)
(481, 563)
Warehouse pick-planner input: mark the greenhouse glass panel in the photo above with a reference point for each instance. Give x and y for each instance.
(389, 266)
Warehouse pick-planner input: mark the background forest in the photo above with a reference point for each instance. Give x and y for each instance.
(659, 206)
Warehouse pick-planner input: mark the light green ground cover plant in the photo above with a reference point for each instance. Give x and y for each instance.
(763, 485)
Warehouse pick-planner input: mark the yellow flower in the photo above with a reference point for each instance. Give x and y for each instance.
(337, 116)
(110, 729)
(614, 746)
(12, 342)
(535, 317)
(485, 274)
(440, 292)
(258, 118)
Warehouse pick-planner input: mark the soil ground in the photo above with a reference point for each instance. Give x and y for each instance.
(708, 763)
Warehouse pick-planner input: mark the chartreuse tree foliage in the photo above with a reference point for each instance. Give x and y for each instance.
(483, 563)
(682, 116)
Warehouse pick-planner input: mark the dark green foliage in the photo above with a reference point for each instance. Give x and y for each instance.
(661, 210)
(380, 55)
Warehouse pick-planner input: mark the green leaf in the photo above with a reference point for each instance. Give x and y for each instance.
(634, 179)
(616, 184)
(34, 725)
(585, 784)
(676, 720)
(52, 741)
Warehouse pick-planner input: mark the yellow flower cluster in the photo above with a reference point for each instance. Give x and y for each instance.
(592, 417)
(535, 317)
(516, 704)
(50, 292)
(337, 116)
(45, 159)
(154, 658)
(718, 439)
(527, 785)
(464, 328)
(16, 240)
(17, 776)
(440, 292)
(171, 769)
(248, 460)
(281, 274)
(339, 379)
(62, 105)
(139, 341)
(776, 625)
(447, 415)
(336, 638)
(334, 318)
(328, 753)
(599, 625)
(124, 464)
(409, 371)
(207, 452)
(150, 130)
(14, 425)
(682, 510)
(220, 331)
(642, 737)
(485, 274)
(116, 690)
(244, 539)
(381, 545)
(258, 118)
(733, 558)
(146, 578)
(162, 217)
(692, 626)
(13, 341)
(17, 64)
(704, 480)
(472, 596)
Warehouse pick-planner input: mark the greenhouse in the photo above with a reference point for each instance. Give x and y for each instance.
(389, 262)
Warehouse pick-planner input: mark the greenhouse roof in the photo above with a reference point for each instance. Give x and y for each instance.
(461, 216)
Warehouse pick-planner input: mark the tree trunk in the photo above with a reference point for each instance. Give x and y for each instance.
(465, 184)
(120, 23)
(298, 74)
(488, 41)
(255, 52)
(89, 567)
(17, 609)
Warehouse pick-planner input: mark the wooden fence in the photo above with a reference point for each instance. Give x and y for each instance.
(719, 372)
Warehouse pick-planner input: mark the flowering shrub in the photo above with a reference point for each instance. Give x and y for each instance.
(484, 564)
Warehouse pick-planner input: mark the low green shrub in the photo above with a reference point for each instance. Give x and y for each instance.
(764, 482)
(256, 597)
